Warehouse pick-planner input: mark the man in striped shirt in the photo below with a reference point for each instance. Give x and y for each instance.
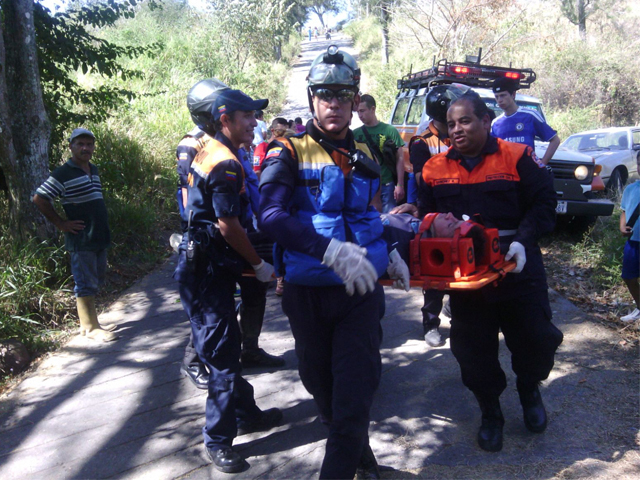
(86, 226)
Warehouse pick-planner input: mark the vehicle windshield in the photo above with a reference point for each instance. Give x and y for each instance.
(590, 142)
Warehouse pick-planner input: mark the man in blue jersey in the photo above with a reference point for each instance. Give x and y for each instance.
(521, 125)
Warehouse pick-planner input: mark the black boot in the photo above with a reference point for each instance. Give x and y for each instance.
(535, 416)
(490, 433)
(368, 466)
(197, 373)
(250, 320)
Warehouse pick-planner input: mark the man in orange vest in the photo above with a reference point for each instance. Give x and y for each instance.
(510, 188)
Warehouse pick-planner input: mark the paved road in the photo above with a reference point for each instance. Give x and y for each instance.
(122, 410)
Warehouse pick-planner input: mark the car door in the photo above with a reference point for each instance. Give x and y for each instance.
(635, 143)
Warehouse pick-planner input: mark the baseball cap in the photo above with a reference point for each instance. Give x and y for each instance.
(78, 132)
(229, 101)
(505, 85)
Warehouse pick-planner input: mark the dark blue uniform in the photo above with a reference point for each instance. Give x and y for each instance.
(306, 198)
(216, 189)
(511, 190)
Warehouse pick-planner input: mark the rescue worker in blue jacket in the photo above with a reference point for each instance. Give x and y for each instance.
(214, 252)
(315, 203)
(512, 191)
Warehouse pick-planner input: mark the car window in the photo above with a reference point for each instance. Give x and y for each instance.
(415, 110)
(602, 141)
(573, 142)
(636, 137)
(619, 141)
(401, 109)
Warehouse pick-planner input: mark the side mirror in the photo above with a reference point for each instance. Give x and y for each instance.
(636, 146)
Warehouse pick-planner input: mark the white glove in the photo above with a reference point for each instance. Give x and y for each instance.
(264, 271)
(516, 251)
(350, 263)
(398, 271)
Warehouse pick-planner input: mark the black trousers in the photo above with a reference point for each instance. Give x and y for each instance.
(207, 298)
(431, 309)
(338, 347)
(525, 322)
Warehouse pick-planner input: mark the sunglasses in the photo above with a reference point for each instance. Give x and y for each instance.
(344, 95)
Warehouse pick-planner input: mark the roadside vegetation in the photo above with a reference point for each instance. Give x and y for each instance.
(135, 151)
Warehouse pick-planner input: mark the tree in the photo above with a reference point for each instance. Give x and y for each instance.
(253, 28)
(24, 125)
(66, 45)
(577, 12)
(454, 28)
(322, 7)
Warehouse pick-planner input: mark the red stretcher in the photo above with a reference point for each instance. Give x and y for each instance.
(453, 263)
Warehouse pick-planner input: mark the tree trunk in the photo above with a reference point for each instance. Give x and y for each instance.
(25, 128)
(278, 50)
(385, 17)
(582, 20)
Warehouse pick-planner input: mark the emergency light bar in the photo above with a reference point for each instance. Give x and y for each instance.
(471, 74)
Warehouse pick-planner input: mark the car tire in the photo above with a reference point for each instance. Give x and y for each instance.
(616, 182)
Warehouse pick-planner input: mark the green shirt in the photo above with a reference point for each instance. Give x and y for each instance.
(380, 132)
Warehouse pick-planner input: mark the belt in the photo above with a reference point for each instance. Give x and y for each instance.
(507, 233)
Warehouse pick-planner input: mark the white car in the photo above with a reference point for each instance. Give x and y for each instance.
(616, 149)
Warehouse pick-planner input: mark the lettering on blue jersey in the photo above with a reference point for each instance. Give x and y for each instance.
(183, 156)
(446, 181)
(499, 176)
(515, 139)
(231, 175)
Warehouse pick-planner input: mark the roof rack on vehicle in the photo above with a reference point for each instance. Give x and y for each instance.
(467, 73)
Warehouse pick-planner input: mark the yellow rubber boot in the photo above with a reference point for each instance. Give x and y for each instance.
(89, 325)
(109, 327)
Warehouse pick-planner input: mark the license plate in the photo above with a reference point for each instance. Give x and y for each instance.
(561, 207)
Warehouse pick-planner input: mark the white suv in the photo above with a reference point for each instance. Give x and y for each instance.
(615, 149)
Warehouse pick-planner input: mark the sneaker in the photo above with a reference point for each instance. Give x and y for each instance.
(175, 240)
(635, 315)
(279, 286)
(268, 419)
(433, 338)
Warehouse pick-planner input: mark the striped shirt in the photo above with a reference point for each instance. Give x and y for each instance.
(81, 198)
